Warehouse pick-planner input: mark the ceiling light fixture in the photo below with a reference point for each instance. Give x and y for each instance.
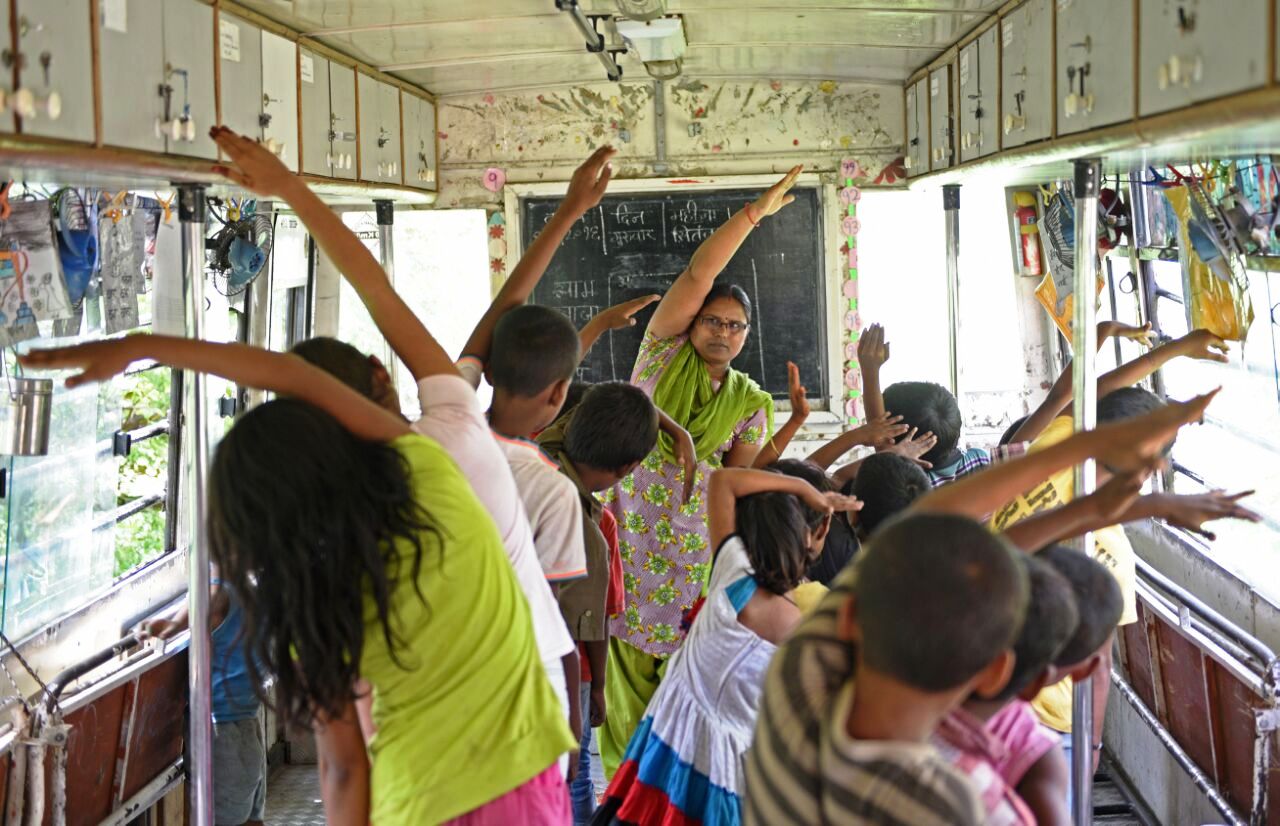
(660, 44)
(642, 10)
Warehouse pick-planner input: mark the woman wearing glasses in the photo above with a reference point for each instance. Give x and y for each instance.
(684, 365)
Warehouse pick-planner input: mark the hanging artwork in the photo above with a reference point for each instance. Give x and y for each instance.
(122, 243)
(32, 287)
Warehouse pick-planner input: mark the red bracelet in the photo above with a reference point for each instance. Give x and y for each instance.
(746, 209)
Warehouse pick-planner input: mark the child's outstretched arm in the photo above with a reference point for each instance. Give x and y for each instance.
(877, 432)
(343, 769)
(1105, 506)
(259, 170)
(1132, 445)
(617, 317)
(586, 188)
(799, 414)
(873, 352)
(728, 485)
(682, 301)
(1198, 344)
(248, 366)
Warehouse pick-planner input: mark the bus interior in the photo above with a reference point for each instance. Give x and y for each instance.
(960, 161)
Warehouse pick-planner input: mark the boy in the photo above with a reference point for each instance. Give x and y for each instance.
(783, 781)
(966, 737)
(239, 743)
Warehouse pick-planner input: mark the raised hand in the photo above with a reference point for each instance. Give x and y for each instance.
(839, 503)
(1113, 499)
(1202, 345)
(1139, 443)
(256, 169)
(1118, 329)
(775, 197)
(913, 447)
(799, 395)
(873, 350)
(622, 315)
(96, 360)
(881, 431)
(1191, 512)
(590, 180)
(687, 456)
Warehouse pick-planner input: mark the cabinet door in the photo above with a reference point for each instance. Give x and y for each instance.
(240, 89)
(280, 97)
(131, 68)
(1025, 45)
(419, 141)
(372, 164)
(317, 150)
(918, 127)
(188, 47)
(389, 115)
(1196, 50)
(940, 152)
(978, 113)
(342, 119)
(1095, 62)
(55, 45)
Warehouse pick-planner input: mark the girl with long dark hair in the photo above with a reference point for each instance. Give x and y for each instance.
(358, 549)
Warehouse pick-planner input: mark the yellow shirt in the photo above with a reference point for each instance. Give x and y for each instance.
(1111, 548)
(807, 596)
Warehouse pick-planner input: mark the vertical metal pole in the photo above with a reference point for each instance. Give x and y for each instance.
(951, 211)
(1088, 175)
(385, 212)
(191, 214)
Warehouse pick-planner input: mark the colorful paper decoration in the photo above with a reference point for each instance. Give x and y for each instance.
(849, 195)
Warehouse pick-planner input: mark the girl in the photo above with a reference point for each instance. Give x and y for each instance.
(684, 762)
(359, 549)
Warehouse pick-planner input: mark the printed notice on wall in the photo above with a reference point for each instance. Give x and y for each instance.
(229, 40)
(308, 68)
(964, 68)
(115, 15)
(1006, 31)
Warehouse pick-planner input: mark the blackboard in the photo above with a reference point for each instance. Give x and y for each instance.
(638, 244)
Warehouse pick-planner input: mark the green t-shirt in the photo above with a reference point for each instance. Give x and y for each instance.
(470, 715)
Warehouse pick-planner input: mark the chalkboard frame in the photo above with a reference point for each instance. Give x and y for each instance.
(829, 408)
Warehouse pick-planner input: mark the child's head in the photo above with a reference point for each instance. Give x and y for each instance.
(1127, 403)
(534, 355)
(886, 484)
(1051, 621)
(938, 603)
(613, 429)
(364, 374)
(715, 343)
(1100, 604)
(300, 514)
(928, 407)
(783, 535)
(577, 390)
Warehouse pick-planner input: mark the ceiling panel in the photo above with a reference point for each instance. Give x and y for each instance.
(460, 42)
(803, 61)
(853, 27)
(453, 79)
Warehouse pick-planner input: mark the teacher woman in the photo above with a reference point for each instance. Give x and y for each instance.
(684, 365)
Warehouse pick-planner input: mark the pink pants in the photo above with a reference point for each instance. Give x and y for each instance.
(542, 801)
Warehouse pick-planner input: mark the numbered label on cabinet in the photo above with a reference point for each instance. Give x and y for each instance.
(1191, 51)
(1095, 62)
(1025, 80)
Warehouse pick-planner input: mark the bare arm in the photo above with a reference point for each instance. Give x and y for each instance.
(1103, 507)
(248, 366)
(685, 452)
(586, 188)
(877, 432)
(728, 485)
(343, 768)
(682, 301)
(259, 170)
(799, 414)
(873, 352)
(617, 317)
(1044, 788)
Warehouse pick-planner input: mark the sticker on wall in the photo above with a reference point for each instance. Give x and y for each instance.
(494, 179)
(32, 288)
(229, 40)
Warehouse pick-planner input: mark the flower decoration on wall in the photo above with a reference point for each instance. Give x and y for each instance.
(851, 174)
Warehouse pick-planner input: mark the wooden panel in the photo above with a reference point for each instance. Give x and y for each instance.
(91, 759)
(1138, 658)
(57, 58)
(280, 96)
(917, 103)
(1184, 57)
(132, 69)
(1234, 708)
(978, 109)
(1095, 63)
(188, 46)
(1182, 667)
(940, 130)
(314, 83)
(240, 75)
(159, 723)
(342, 107)
(1025, 79)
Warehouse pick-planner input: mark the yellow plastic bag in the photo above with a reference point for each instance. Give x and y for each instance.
(1220, 305)
(1061, 311)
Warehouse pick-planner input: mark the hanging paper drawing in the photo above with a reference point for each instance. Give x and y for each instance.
(32, 288)
(123, 247)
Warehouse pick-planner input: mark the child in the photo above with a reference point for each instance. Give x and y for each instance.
(782, 774)
(239, 743)
(684, 762)
(966, 736)
(346, 536)
(451, 415)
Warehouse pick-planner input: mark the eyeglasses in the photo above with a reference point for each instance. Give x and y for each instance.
(715, 325)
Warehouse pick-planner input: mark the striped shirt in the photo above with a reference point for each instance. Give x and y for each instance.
(798, 769)
(974, 459)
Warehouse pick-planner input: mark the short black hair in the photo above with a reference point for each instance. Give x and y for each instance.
(930, 408)
(339, 359)
(775, 527)
(811, 473)
(727, 290)
(533, 348)
(573, 398)
(938, 598)
(615, 425)
(886, 484)
(1052, 619)
(1012, 430)
(1098, 600)
(1127, 403)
